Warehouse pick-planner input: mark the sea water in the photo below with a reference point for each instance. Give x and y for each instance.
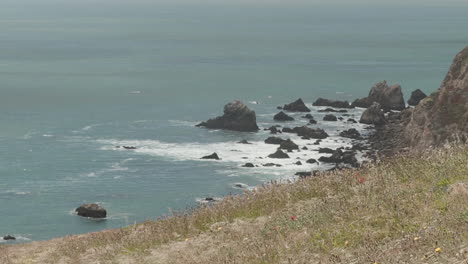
(79, 78)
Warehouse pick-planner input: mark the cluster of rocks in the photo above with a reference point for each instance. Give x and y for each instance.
(382, 99)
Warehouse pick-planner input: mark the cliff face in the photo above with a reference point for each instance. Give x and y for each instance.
(443, 116)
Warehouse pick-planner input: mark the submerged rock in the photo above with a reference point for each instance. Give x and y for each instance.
(311, 161)
(91, 210)
(336, 104)
(248, 165)
(416, 97)
(244, 142)
(213, 156)
(331, 110)
(281, 116)
(8, 237)
(373, 115)
(237, 117)
(272, 165)
(297, 106)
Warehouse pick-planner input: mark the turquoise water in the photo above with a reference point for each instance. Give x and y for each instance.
(70, 75)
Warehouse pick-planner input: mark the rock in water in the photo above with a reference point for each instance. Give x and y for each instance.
(297, 106)
(237, 117)
(389, 97)
(351, 133)
(91, 210)
(213, 156)
(362, 102)
(281, 116)
(289, 145)
(336, 104)
(279, 155)
(8, 237)
(330, 118)
(307, 132)
(274, 140)
(443, 116)
(416, 97)
(248, 165)
(373, 115)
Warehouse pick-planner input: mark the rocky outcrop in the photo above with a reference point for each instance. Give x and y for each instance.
(416, 97)
(9, 237)
(331, 103)
(297, 106)
(330, 118)
(213, 156)
(389, 97)
(237, 116)
(443, 116)
(91, 210)
(373, 115)
(279, 154)
(281, 116)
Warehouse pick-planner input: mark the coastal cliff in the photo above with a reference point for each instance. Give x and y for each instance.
(443, 116)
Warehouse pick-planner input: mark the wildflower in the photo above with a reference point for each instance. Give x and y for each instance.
(346, 243)
(293, 218)
(361, 180)
(220, 228)
(438, 250)
(416, 238)
(186, 239)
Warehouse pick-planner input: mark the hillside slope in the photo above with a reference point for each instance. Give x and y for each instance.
(406, 210)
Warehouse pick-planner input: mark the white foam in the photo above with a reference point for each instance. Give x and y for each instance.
(183, 123)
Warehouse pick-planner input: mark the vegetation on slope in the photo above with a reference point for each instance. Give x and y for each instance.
(411, 209)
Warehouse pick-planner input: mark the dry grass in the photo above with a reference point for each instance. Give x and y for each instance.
(399, 211)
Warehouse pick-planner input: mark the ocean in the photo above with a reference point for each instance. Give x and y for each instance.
(79, 79)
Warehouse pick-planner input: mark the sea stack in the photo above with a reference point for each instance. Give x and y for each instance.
(237, 116)
(389, 97)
